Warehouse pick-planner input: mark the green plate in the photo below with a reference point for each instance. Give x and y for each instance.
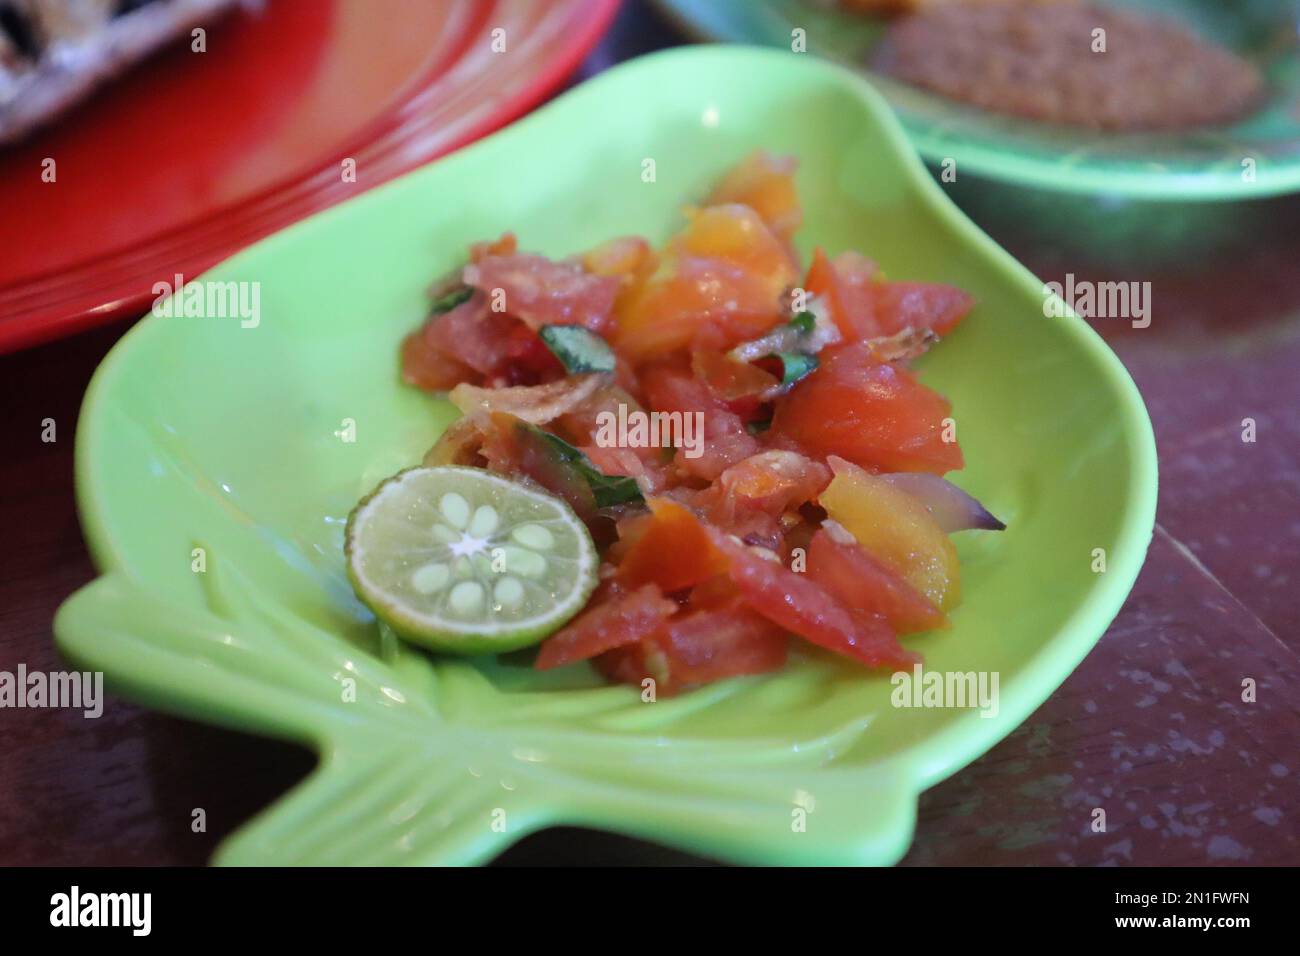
(198, 433)
(1203, 164)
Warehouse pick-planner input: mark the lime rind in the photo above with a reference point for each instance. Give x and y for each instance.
(466, 561)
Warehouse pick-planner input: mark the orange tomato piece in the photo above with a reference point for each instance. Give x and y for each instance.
(725, 275)
(674, 551)
(865, 306)
(895, 527)
(614, 617)
(772, 481)
(626, 257)
(868, 584)
(871, 412)
(765, 183)
(739, 384)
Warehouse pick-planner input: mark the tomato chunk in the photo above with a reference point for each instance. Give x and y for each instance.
(629, 258)
(804, 607)
(895, 527)
(425, 365)
(867, 584)
(697, 648)
(772, 482)
(739, 385)
(845, 285)
(674, 551)
(864, 306)
(513, 447)
(723, 439)
(542, 292)
(928, 306)
(868, 411)
(614, 618)
(764, 183)
(724, 274)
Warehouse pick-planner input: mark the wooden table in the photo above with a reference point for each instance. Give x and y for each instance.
(1151, 728)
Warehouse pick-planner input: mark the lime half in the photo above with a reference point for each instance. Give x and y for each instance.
(463, 560)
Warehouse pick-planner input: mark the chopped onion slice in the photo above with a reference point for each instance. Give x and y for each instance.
(788, 338)
(953, 509)
(536, 404)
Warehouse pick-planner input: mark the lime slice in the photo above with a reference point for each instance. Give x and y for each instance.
(463, 560)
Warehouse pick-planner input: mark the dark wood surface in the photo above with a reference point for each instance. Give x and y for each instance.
(1151, 728)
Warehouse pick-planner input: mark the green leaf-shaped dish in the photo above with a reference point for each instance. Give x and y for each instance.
(199, 433)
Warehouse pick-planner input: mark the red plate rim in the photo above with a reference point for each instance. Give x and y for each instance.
(99, 290)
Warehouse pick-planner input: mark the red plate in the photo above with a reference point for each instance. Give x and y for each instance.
(193, 155)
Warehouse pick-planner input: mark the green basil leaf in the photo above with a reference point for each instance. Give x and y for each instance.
(795, 366)
(579, 350)
(606, 489)
(804, 322)
(450, 299)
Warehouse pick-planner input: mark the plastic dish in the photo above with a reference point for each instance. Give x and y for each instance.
(215, 470)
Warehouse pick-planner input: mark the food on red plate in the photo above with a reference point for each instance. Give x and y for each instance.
(54, 53)
(743, 439)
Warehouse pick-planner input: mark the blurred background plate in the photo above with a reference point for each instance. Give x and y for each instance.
(1198, 163)
(191, 156)
(1155, 200)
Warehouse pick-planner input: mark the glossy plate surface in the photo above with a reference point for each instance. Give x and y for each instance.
(191, 155)
(198, 433)
(1194, 164)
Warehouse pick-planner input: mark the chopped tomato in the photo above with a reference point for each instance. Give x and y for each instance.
(742, 474)
(507, 245)
(920, 305)
(614, 461)
(739, 385)
(427, 366)
(699, 647)
(714, 643)
(697, 295)
(786, 598)
(580, 425)
(627, 258)
(714, 592)
(773, 481)
(543, 292)
(497, 346)
(801, 605)
(736, 234)
(867, 584)
(846, 286)
(724, 439)
(871, 412)
(458, 444)
(589, 426)
(614, 618)
(513, 447)
(764, 183)
(673, 551)
(895, 527)
(725, 273)
(864, 306)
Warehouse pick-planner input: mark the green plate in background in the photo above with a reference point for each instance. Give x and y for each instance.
(1201, 164)
(199, 433)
